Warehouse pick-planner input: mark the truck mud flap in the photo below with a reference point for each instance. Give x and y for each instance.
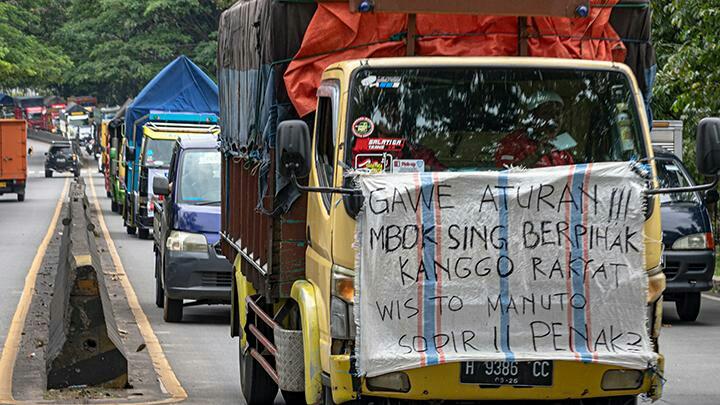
(289, 361)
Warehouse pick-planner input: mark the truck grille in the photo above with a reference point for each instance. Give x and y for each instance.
(216, 279)
(671, 270)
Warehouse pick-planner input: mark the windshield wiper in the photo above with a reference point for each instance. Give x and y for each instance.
(208, 203)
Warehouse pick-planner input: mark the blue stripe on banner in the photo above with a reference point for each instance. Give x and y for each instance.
(428, 218)
(577, 260)
(504, 285)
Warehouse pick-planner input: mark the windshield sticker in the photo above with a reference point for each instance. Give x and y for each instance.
(363, 127)
(408, 166)
(374, 163)
(379, 145)
(382, 82)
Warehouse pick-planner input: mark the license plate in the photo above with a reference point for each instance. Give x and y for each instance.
(3, 184)
(60, 159)
(519, 373)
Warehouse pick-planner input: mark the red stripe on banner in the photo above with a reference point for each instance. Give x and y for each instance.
(587, 275)
(421, 279)
(438, 258)
(568, 276)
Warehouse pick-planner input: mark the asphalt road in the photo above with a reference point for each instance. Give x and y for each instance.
(200, 350)
(22, 227)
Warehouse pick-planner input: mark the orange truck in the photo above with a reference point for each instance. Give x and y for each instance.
(13, 161)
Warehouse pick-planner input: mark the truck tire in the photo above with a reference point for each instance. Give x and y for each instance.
(114, 206)
(172, 309)
(294, 398)
(257, 386)
(130, 230)
(688, 306)
(21, 197)
(144, 233)
(48, 173)
(159, 291)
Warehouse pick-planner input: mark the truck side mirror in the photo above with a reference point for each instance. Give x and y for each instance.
(113, 153)
(129, 154)
(293, 148)
(161, 186)
(707, 158)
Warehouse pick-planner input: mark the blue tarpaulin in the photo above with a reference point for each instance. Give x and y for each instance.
(5, 99)
(180, 87)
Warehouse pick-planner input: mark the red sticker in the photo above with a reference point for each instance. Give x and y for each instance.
(379, 145)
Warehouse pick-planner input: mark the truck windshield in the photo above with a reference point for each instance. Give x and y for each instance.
(79, 122)
(199, 178)
(158, 152)
(672, 175)
(476, 118)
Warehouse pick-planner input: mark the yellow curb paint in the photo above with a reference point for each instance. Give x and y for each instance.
(168, 380)
(12, 341)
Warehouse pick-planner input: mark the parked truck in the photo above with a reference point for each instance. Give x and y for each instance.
(13, 160)
(668, 135)
(30, 109)
(111, 147)
(154, 119)
(316, 99)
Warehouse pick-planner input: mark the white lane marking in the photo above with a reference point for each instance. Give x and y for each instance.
(711, 297)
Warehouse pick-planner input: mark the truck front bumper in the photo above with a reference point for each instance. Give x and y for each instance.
(572, 380)
(688, 271)
(198, 276)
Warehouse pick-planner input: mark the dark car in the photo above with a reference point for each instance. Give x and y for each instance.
(188, 265)
(689, 253)
(62, 157)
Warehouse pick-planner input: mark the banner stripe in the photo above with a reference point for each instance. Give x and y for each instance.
(421, 279)
(428, 222)
(438, 258)
(587, 275)
(504, 285)
(578, 258)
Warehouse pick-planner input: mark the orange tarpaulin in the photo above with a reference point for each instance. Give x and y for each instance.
(335, 34)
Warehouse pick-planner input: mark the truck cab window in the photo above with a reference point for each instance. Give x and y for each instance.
(325, 145)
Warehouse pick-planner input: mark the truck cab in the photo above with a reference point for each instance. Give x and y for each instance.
(153, 159)
(188, 265)
(358, 127)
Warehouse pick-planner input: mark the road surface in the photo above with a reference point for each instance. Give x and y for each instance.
(200, 350)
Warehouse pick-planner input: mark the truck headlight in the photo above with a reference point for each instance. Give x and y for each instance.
(179, 241)
(342, 317)
(695, 241)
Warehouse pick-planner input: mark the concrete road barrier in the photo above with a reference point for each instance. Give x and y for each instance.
(84, 346)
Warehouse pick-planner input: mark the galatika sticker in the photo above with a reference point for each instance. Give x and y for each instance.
(379, 144)
(540, 264)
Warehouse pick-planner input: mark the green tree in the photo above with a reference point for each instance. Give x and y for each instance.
(687, 40)
(119, 45)
(25, 59)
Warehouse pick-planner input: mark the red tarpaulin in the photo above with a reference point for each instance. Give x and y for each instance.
(335, 34)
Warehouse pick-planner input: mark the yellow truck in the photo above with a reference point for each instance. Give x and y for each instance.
(438, 228)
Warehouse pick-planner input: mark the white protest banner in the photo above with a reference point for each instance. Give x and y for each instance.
(541, 264)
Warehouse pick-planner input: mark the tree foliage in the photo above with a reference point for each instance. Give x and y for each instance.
(687, 40)
(26, 60)
(119, 45)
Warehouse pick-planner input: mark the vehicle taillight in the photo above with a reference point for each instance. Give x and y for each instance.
(710, 241)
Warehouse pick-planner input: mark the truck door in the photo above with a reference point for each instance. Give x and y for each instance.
(320, 207)
(12, 150)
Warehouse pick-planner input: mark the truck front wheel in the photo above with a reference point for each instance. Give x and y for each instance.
(172, 309)
(258, 387)
(688, 306)
(21, 197)
(144, 233)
